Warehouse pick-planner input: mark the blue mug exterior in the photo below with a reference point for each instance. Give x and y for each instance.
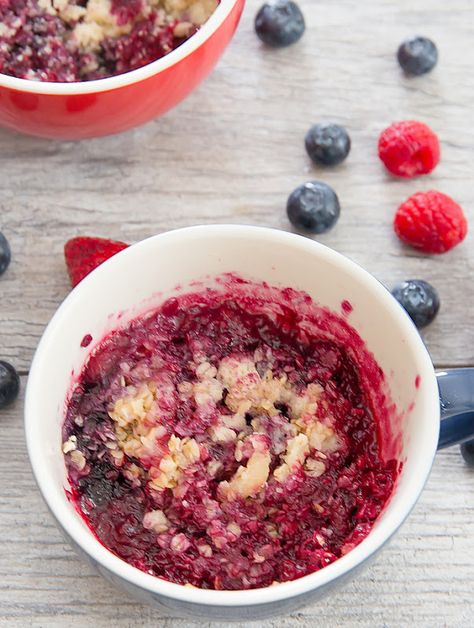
(456, 394)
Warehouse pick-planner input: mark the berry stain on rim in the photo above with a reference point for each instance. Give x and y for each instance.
(346, 307)
(85, 342)
(239, 437)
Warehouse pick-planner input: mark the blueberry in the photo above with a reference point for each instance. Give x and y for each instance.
(467, 450)
(417, 56)
(102, 484)
(327, 144)
(280, 23)
(5, 253)
(9, 384)
(313, 207)
(419, 299)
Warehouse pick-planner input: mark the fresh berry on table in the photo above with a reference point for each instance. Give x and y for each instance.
(327, 144)
(280, 23)
(417, 56)
(5, 254)
(313, 207)
(420, 300)
(409, 148)
(83, 254)
(467, 450)
(9, 384)
(430, 221)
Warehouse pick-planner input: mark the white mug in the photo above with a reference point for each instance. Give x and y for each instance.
(146, 273)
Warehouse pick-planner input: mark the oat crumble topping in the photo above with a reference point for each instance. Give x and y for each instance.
(136, 417)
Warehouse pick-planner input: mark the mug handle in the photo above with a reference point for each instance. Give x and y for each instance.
(456, 395)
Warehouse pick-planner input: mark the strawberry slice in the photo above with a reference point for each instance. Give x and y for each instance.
(83, 254)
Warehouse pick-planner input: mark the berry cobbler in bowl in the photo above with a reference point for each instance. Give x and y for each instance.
(226, 441)
(232, 429)
(81, 40)
(74, 69)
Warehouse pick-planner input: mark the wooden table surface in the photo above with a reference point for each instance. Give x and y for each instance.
(232, 153)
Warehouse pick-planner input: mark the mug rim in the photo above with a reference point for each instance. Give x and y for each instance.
(377, 537)
(126, 79)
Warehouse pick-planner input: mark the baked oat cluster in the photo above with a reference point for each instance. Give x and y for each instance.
(209, 445)
(80, 40)
(254, 428)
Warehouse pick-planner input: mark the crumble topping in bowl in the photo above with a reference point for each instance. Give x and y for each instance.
(223, 442)
(80, 40)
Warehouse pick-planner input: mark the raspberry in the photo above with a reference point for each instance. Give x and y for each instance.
(409, 148)
(83, 254)
(430, 221)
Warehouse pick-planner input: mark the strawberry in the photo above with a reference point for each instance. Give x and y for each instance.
(83, 254)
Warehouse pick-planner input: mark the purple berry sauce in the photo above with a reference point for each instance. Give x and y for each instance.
(231, 439)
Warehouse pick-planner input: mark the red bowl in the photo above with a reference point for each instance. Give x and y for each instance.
(111, 105)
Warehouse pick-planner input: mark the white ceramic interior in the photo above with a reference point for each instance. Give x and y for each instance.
(134, 76)
(128, 282)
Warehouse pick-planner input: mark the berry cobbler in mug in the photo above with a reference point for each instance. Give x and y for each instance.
(82, 40)
(234, 437)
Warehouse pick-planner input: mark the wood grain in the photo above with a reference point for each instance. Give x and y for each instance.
(232, 153)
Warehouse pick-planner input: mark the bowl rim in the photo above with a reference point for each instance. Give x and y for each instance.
(253, 597)
(111, 83)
